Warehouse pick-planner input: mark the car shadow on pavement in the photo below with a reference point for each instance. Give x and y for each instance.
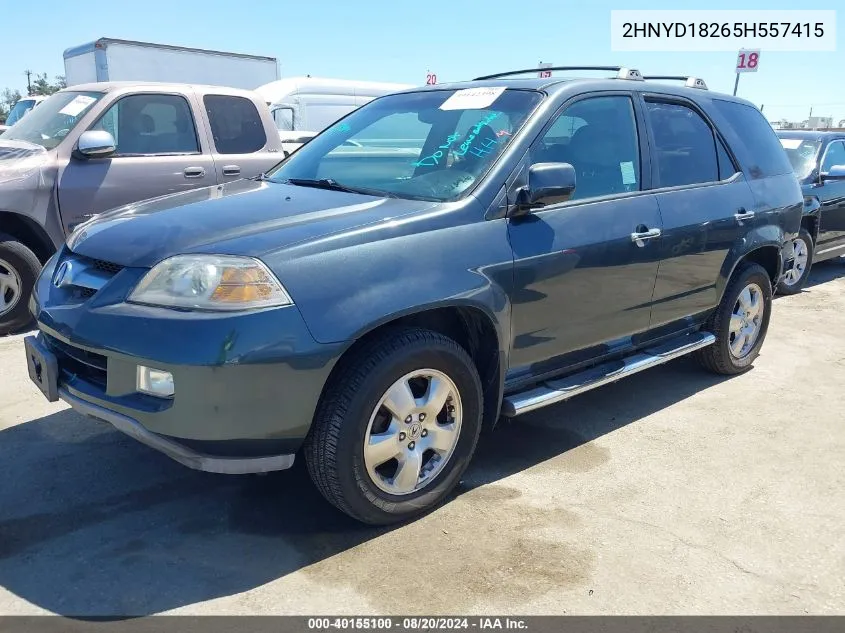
(93, 523)
(826, 271)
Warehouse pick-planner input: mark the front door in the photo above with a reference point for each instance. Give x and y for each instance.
(239, 138)
(157, 152)
(583, 282)
(831, 194)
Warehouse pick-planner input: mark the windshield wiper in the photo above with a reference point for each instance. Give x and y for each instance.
(334, 185)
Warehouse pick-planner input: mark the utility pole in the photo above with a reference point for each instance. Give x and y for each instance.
(28, 74)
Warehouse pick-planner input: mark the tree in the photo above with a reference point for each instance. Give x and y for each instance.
(40, 85)
(8, 99)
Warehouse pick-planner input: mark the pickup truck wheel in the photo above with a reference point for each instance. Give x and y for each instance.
(794, 280)
(396, 427)
(740, 322)
(19, 268)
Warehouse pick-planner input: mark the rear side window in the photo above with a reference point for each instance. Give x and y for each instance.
(763, 148)
(726, 165)
(685, 146)
(235, 124)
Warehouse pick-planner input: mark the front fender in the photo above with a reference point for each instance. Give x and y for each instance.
(346, 291)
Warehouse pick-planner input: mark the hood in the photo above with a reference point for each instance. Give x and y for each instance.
(19, 159)
(244, 217)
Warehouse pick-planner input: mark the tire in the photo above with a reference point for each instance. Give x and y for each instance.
(803, 245)
(349, 409)
(19, 268)
(718, 357)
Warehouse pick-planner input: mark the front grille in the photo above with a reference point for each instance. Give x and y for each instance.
(75, 361)
(106, 267)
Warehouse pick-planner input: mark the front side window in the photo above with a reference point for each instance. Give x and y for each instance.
(685, 146)
(150, 124)
(283, 118)
(432, 145)
(235, 124)
(49, 123)
(835, 155)
(598, 137)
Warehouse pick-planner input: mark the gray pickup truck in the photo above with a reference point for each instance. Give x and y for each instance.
(97, 146)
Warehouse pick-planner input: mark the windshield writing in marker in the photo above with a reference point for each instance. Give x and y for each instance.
(466, 146)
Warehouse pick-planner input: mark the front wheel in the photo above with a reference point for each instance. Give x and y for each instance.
(19, 268)
(396, 427)
(796, 278)
(740, 322)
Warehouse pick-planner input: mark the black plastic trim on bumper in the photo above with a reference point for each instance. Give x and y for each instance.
(174, 450)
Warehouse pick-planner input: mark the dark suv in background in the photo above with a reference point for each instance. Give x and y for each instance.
(818, 159)
(374, 310)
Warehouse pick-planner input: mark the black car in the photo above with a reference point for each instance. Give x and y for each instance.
(478, 250)
(818, 159)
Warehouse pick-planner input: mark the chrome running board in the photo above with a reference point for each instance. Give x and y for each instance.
(560, 389)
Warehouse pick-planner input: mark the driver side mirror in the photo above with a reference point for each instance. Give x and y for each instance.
(836, 172)
(96, 144)
(548, 183)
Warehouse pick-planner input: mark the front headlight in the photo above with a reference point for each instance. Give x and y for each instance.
(210, 282)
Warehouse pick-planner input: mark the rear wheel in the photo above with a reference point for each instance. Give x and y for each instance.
(396, 427)
(796, 278)
(19, 268)
(740, 322)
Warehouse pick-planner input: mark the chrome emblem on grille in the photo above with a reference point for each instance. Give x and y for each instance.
(64, 275)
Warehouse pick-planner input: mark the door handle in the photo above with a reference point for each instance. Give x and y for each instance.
(194, 172)
(742, 214)
(231, 170)
(640, 238)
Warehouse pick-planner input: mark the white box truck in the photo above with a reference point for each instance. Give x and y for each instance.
(108, 59)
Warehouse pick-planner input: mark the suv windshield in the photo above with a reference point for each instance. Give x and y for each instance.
(802, 154)
(53, 119)
(431, 145)
(21, 107)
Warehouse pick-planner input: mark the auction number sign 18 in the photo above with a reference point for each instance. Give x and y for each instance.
(748, 60)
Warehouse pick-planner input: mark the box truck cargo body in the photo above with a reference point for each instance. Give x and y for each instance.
(109, 59)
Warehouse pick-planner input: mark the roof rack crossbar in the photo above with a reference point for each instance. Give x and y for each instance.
(614, 69)
(690, 82)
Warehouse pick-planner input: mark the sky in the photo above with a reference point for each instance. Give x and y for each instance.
(395, 40)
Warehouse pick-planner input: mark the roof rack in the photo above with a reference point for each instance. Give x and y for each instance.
(621, 72)
(689, 82)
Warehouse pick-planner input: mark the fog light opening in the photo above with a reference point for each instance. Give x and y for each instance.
(155, 382)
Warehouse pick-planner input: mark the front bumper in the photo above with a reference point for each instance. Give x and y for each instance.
(173, 449)
(246, 385)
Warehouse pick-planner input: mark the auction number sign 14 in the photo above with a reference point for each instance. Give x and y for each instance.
(747, 61)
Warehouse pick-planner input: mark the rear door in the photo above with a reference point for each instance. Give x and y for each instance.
(705, 204)
(158, 151)
(239, 138)
(831, 193)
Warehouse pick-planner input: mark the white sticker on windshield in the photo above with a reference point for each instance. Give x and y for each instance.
(791, 143)
(628, 175)
(79, 103)
(472, 99)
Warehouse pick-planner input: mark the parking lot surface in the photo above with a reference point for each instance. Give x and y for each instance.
(670, 492)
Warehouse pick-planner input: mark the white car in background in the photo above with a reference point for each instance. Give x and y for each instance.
(20, 109)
